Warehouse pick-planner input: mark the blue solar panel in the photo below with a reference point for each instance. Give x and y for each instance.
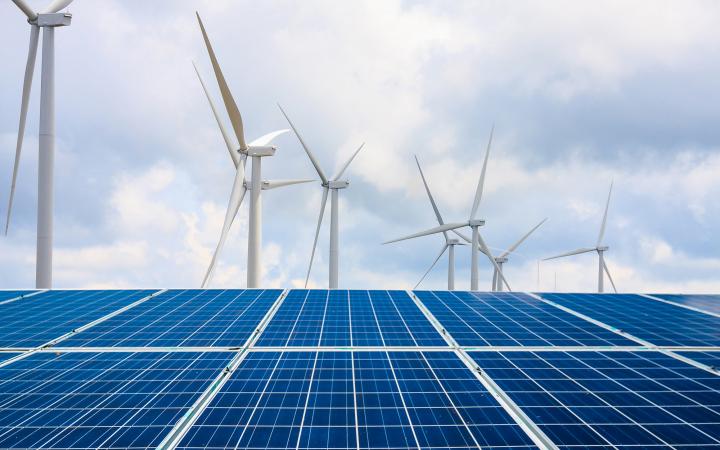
(511, 319)
(4, 356)
(33, 321)
(187, 318)
(656, 322)
(710, 303)
(100, 400)
(349, 318)
(611, 399)
(10, 295)
(711, 359)
(346, 400)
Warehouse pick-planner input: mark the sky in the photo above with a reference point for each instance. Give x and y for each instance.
(580, 94)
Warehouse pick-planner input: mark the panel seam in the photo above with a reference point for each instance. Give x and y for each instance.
(670, 302)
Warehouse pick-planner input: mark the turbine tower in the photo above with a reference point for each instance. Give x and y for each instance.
(503, 258)
(478, 243)
(334, 185)
(599, 248)
(48, 19)
(257, 150)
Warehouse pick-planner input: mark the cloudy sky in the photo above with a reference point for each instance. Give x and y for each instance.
(581, 93)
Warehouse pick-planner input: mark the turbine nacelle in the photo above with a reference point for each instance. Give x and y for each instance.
(476, 223)
(260, 150)
(501, 259)
(338, 184)
(52, 20)
(602, 248)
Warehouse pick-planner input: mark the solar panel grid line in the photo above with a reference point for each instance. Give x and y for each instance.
(523, 420)
(693, 362)
(704, 302)
(186, 422)
(593, 321)
(307, 400)
(22, 296)
(402, 400)
(16, 357)
(670, 302)
(355, 405)
(101, 319)
(432, 319)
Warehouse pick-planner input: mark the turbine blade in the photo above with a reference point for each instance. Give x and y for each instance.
(442, 252)
(574, 252)
(230, 105)
(466, 238)
(607, 271)
(438, 216)
(236, 197)
(232, 148)
(481, 181)
(26, 9)
(313, 160)
(273, 184)
(56, 6)
(489, 255)
(27, 86)
(347, 164)
(604, 220)
(522, 239)
(434, 230)
(265, 139)
(317, 232)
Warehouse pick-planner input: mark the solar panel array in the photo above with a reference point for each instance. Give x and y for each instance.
(317, 369)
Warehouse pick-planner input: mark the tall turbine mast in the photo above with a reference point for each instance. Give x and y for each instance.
(333, 186)
(48, 20)
(599, 248)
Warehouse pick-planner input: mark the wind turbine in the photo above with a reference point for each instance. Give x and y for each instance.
(257, 150)
(599, 248)
(478, 243)
(48, 19)
(503, 258)
(334, 185)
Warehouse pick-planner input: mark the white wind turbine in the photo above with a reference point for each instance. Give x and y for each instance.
(48, 19)
(503, 257)
(599, 248)
(257, 149)
(478, 243)
(333, 185)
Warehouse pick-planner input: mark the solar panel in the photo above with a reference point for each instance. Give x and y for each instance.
(349, 318)
(100, 400)
(4, 356)
(35, 320)
(512, 319)
(11, 295)
(657, 322)
(710, 303)
(588, 399)
(350, 400)
(710, 359)
(183, 318)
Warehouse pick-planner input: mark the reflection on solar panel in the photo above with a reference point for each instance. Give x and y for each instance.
(367, 400)
(100, 400)
(183, 318)
(710, 303)
(312, 370)
(10, 295)
(510, 319)
(349, 318)
(35, 320)
(584, 399)
(645, 318)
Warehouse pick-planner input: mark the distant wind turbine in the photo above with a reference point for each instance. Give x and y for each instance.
(257, 149)
(599, 248)
(478, 243)
(504, 256)
(48, 19)
(333, 185)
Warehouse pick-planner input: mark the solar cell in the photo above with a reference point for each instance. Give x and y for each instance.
(512, 319)
(611, 399)
(349, 318)
(710, 303)
(4, 356)
(657, 322)
(10, 295)
(100, 400)
(183, 318)
(35, 320)
(350, 400)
